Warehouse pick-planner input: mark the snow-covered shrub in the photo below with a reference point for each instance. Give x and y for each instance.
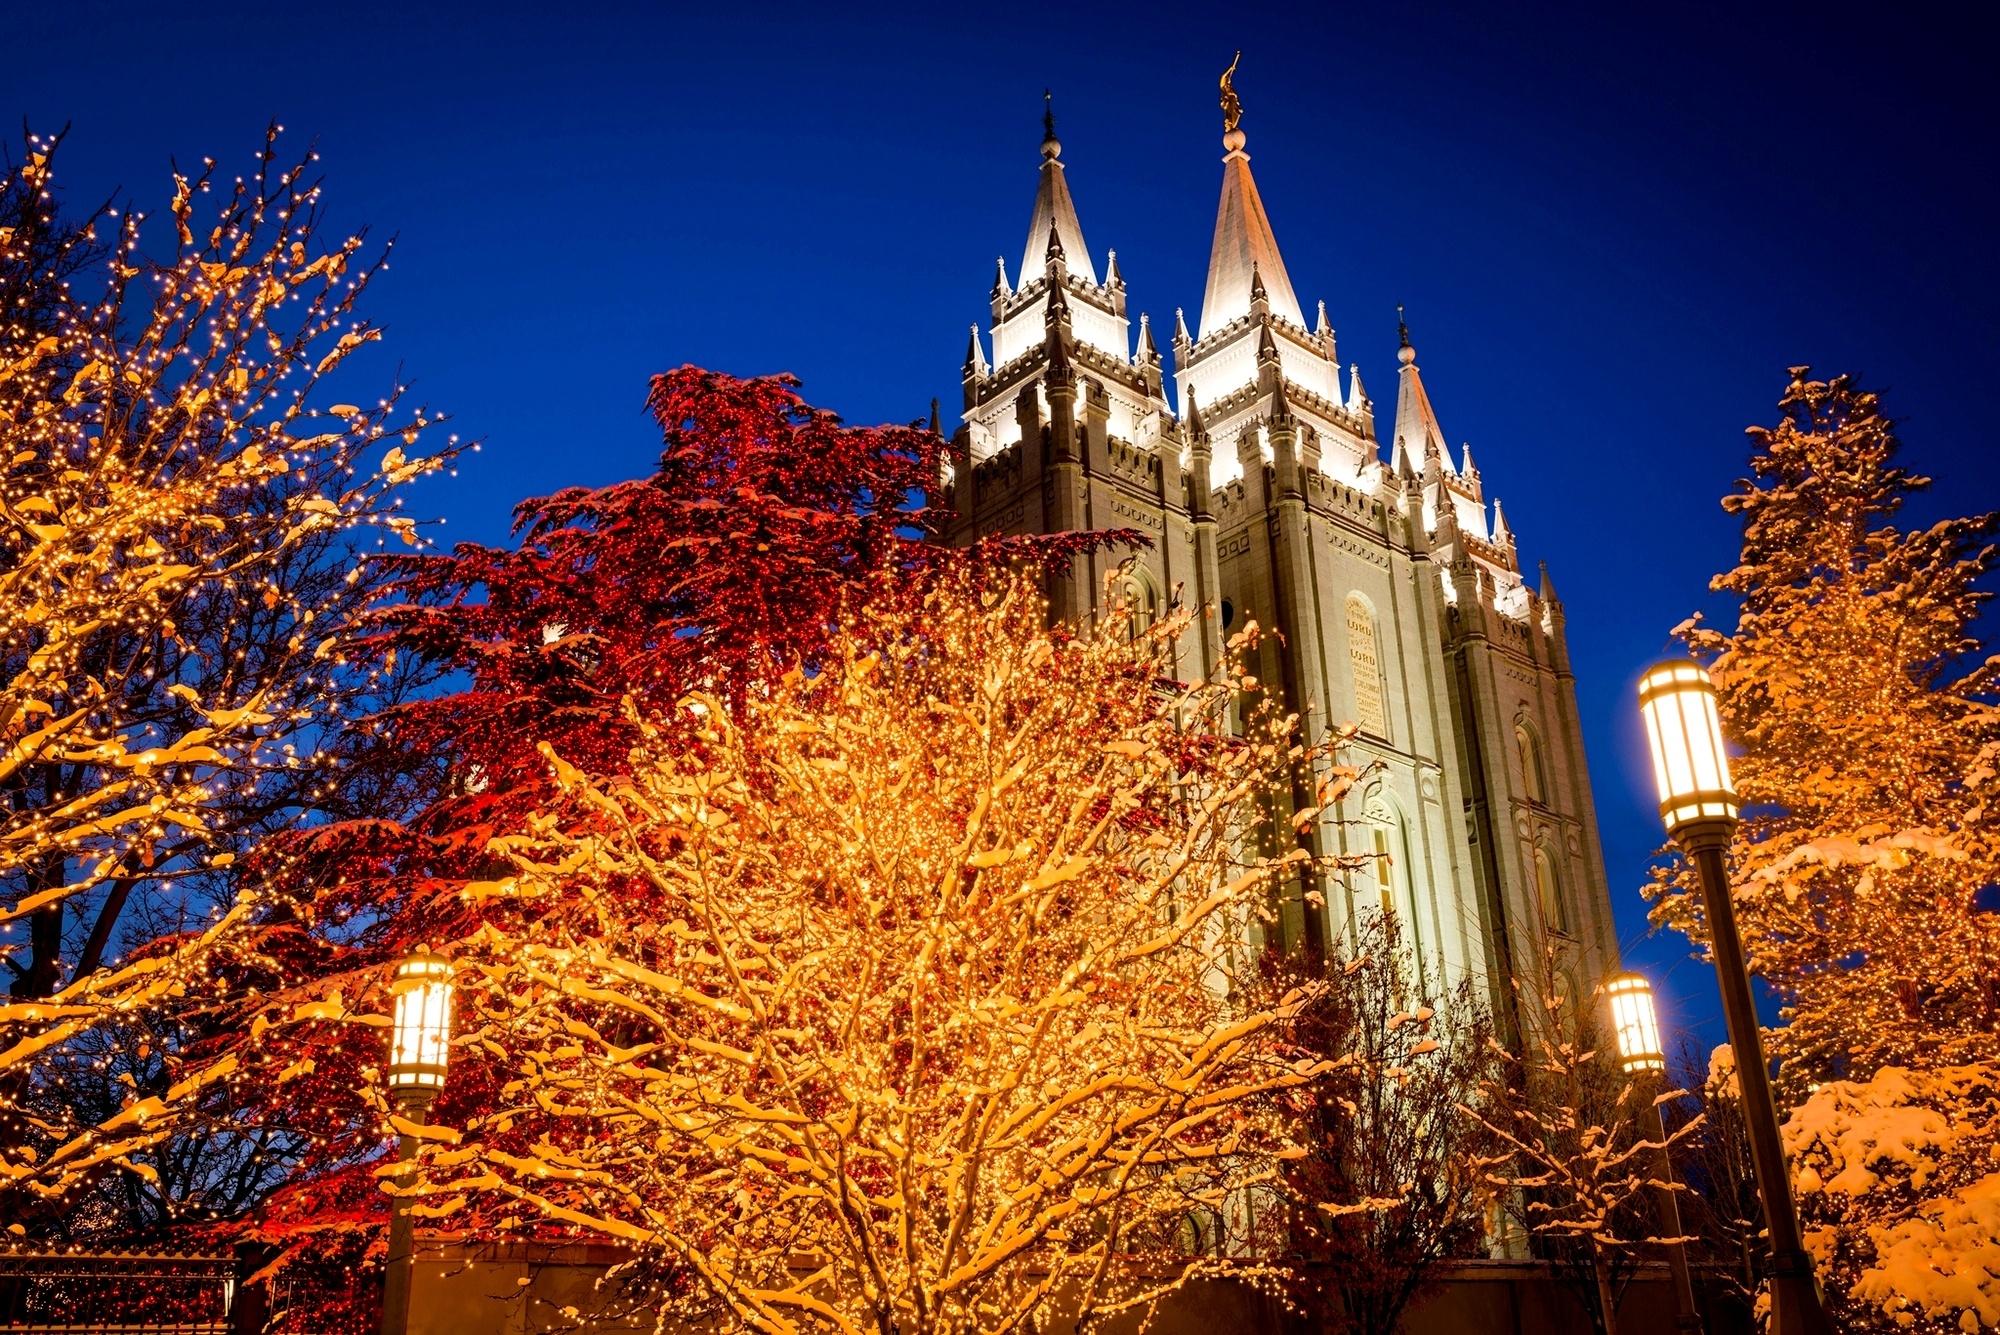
(1898, 1181)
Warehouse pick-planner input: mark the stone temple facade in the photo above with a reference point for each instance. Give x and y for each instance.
(1274, 495)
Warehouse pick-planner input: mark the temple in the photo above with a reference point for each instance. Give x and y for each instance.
(1269, 493)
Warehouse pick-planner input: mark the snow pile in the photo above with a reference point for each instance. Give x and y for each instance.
(1898, 1180)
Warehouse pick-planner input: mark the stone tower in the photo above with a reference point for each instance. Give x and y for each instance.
(1399, 605)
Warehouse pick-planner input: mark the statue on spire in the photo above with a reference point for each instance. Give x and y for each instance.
(1232, 108)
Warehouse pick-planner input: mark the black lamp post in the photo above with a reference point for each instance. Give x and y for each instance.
(419, 1050)
(1637, 1028)
(1698, 804)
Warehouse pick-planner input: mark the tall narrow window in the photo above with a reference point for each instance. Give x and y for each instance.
(1534, 783)
(1385, 879)
(1367, 665)
(1392, 868)
(1548, 887)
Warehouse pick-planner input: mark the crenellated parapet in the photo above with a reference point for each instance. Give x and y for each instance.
(1391, 579)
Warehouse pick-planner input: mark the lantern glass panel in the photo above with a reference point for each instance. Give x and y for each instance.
(1684, 736)
(420, 1037)
(1635, 1023)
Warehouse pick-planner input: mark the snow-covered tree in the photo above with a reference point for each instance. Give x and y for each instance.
(1576, 1168)
(1857, 689)
(181, 518)
(1898, 1180)
(904, 996)
(1720, 1210)
(1390, 1187)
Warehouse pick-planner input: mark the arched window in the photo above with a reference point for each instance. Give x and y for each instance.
(1366, 663)
(1391, 871)
(1548, 888)
(1137, 600)
(1534, 780)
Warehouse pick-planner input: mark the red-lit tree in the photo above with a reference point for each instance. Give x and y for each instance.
(721, 572)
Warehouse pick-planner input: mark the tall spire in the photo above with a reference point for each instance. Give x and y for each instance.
(1244, 244)
(1416, 424)
(1055, 210)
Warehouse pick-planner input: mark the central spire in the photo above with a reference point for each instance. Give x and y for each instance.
(1245, 249)
(1054, 208)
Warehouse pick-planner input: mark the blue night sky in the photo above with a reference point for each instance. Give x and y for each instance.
(1612, 230)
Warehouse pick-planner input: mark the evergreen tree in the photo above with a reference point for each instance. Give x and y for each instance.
(1857, 688)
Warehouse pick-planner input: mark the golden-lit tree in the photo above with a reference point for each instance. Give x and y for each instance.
(182, 520)
(905, 1000)
(1856, 683)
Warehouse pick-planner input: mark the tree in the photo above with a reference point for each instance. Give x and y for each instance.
(1575, 1169)
(1858, 690)
(1900, 1196)
(179, 553)
(895, 998)
(41, 250)
(1389, 1188)
(722, 570)
(1720, 1210)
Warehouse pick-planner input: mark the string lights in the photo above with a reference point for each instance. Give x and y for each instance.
(183, 526)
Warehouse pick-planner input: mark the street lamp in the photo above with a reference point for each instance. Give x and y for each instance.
(1698, 804)
(1637, 1029)
(419, 1051)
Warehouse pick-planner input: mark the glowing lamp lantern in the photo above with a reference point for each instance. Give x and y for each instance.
(1634, 1023)
(1677, 702)
(420, 1035)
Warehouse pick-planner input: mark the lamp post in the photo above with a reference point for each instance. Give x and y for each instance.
(1698, 804)
(1637, 1029)
(419, 1049)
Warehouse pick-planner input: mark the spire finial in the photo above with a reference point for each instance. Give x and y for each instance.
(1405, 353)
(1051, 146)
(1232, 108)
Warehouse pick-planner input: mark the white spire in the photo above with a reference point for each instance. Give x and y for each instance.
(1244, 242)
(1054, 208)
(1416, 425)
(1147, 351)
(1502, 535)
(1356, 396)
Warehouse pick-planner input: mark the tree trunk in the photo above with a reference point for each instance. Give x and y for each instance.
(1607, 1301)
(100, 931)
